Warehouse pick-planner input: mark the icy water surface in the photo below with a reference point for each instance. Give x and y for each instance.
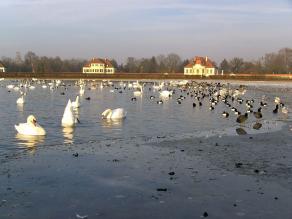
(145, 118)
(162, 161)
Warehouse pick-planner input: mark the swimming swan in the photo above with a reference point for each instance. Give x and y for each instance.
(31, 127)
(118, 113)
(68, 119)
(20, 100)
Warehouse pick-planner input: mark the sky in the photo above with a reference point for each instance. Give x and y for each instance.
(143, 28)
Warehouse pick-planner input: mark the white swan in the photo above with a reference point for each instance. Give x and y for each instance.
(20, 100)
(165, 94)
(31, 127)
(68, 119)
(118, 113)
(76, 103)
(81, 91)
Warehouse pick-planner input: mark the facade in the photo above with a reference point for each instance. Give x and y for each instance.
(200, 66)
(98, 66)
(2, 68)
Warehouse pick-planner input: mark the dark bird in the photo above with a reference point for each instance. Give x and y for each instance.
(194, 105)
(276, 109)
(152, 97)
(200, 103)
(133, 99)
(87, 98)
(258, 114)
(242, 118)
(160, 102)
(225, 114)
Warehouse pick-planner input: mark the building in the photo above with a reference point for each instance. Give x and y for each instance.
(2, 68)
(98, 66)
(200, 66)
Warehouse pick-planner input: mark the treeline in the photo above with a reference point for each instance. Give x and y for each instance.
(30, 62)
(280, 62)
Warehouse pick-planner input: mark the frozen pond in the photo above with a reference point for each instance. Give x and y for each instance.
(169, 160)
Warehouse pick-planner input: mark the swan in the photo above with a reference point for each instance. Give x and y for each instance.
(76, 104)
(118, 113)
(68, 119)
(20, 100)
(81, 91)
(31, 127)
(165, 94)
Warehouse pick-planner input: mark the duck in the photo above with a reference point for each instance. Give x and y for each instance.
(242, 118)
(225, 114)
(31, 127)
(118, 113)
(258, 114)
(68, 119)
(276, 109)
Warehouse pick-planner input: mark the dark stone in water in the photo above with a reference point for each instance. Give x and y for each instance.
(161, 136)
(257, 126)
(115, 160)
(171, 173)
(256, 171)
(241, 131)
(75, 154)
(238, 165)
(161, 189)
(205, 214)
(87, 98)
(276, 198)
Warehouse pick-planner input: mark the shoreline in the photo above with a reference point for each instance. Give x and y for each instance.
(147, 76)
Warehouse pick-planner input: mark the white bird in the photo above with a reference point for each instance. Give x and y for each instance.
(138, 92)
(68, 119)
(165, 94)
(31, 127)
(118, 113)
(76, 103)
(20, 100)
(81, 91)
(277, 100)
(285, 110)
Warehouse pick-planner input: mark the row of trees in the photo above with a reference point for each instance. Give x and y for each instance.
(280, 62)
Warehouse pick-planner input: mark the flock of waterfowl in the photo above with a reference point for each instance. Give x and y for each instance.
(232, 97)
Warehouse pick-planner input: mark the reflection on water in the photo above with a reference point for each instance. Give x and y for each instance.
(29, 141)
(68, 133)
(19, 107)
(112, 123)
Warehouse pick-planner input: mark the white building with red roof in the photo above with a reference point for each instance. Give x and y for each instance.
(98, 66)
(200, 66)
(2, 68)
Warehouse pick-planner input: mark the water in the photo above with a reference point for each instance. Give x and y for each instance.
(145, 118)
(121, 164)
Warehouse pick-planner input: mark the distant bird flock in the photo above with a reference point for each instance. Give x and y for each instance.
(199, 92)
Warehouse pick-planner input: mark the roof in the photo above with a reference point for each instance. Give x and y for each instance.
(201, 61)
(106, 62)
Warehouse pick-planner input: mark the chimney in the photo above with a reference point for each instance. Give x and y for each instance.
(206, 58)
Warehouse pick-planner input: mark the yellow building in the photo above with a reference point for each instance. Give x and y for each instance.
(200, 66)
(2, 68)
(98, 66)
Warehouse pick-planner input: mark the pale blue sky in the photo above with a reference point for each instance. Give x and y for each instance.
(121, 28)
